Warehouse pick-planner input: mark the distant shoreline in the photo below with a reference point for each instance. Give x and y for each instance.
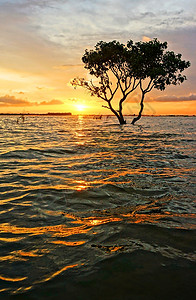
(70, 114)
(36, 114)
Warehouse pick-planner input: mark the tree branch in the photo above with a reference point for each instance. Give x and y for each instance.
(134, 87)
(114, 92)
(105, 107)
(147, 89)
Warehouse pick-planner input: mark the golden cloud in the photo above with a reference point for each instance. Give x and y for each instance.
(10, 101)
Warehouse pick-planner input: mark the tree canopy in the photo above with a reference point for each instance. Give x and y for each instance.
(120, 68)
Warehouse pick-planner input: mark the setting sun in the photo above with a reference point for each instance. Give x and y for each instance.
(80, 107)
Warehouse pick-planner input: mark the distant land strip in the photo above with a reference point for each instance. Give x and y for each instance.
(70, 114)
(36, 114)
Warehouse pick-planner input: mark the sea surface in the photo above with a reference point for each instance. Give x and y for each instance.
(90, 209)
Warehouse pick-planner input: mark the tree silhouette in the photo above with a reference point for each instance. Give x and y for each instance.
(122, 69)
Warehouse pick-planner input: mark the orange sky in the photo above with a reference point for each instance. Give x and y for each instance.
(42, 44)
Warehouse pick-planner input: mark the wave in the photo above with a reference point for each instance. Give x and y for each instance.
(34, 153)
(75, 194)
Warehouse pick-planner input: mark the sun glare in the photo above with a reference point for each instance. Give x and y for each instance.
(80, 107)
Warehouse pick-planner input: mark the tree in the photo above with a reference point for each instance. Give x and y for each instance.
(122, 69)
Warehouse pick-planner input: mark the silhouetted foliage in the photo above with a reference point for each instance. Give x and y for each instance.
(143, 65)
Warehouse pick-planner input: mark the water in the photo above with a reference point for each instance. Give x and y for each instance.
(90, 209)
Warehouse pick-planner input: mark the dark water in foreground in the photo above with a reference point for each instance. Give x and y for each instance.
(93, 210)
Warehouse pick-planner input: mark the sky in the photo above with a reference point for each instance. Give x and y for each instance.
(42, 42)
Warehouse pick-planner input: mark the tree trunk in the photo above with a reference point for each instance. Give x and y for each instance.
(121, 120)
(118, 115)
(140, 112)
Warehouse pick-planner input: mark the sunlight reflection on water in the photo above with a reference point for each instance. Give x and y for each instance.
(76, 190)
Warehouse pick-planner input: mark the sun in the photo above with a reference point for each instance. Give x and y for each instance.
(80, 107)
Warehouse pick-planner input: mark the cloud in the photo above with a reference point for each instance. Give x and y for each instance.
(23, 47)
(73, 100)
(51, 102)
(63, 28)
(146, 39)
(76, 100)
(70, 22)
(11, 101)
(48, 38)
(191, 97)
(166, 98)
(67, 66)
(26, 4)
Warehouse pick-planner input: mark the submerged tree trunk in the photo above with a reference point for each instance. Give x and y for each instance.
(140, 112)
(121, 119)
(118, 115)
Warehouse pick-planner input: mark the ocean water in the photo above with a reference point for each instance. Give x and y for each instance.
(90, 209)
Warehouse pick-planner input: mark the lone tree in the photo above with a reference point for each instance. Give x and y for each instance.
(120, 69)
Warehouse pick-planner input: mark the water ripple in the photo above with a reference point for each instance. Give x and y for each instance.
(76, 191)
